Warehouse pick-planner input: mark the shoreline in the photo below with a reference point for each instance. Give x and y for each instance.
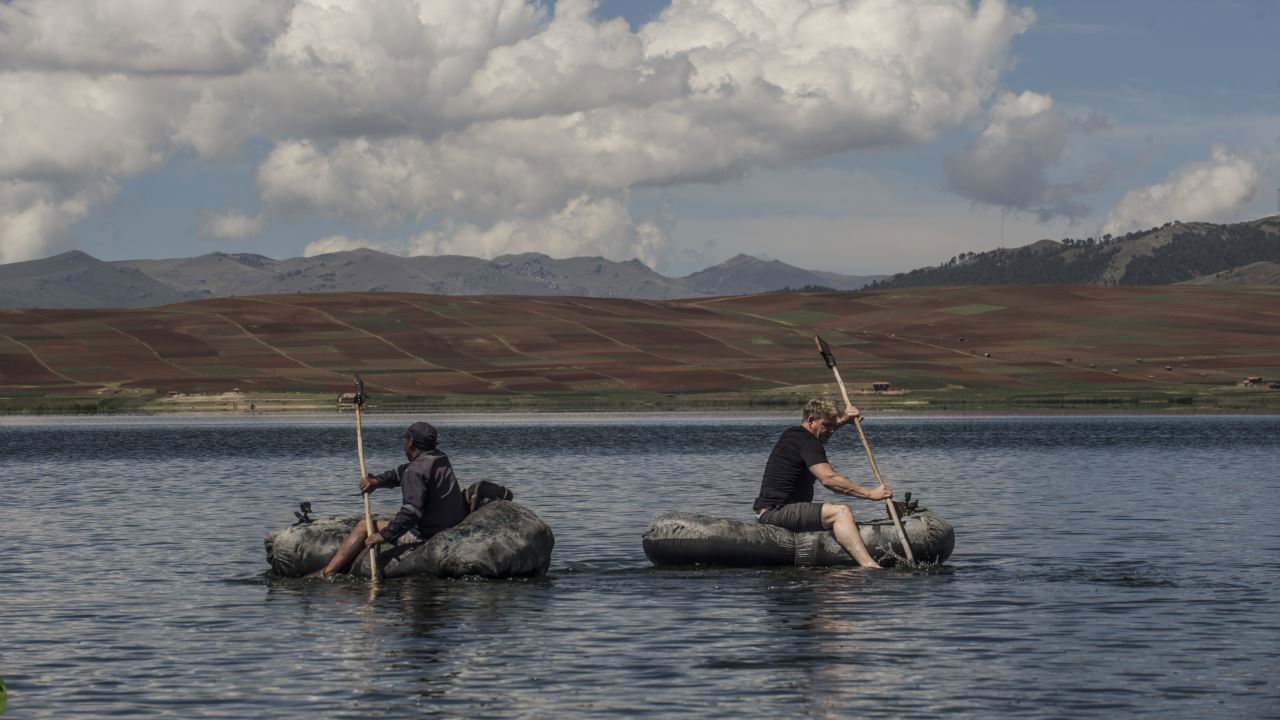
(513, 415)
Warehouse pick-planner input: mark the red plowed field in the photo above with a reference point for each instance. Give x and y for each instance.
(1034, 339)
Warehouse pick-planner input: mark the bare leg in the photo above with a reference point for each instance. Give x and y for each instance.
(839, 520)
(347, 551)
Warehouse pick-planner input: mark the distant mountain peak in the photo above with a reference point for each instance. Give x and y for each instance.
(75, 279)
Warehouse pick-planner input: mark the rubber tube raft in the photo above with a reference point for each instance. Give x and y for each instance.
(688, 539)
(500, 539)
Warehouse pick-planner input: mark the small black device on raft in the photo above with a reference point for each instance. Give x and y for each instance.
(304, 517)
(907, 506)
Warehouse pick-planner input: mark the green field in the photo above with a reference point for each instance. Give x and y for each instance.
(1170, 348)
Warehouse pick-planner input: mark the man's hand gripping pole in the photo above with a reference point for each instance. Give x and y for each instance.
(830, 359)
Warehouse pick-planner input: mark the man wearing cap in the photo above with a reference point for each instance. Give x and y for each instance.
(432, 499)
(798, 459)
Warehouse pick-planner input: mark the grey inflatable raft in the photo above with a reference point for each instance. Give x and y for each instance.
(500, 539)
(689, 539)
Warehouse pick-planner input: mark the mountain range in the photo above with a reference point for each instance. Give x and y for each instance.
(1246, 253)
(78, 280)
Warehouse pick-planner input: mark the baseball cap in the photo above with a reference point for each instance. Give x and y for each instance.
(423, 435)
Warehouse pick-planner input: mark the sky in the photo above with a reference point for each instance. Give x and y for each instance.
(855, 136)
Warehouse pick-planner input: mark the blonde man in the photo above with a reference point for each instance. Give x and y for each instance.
(799, 458)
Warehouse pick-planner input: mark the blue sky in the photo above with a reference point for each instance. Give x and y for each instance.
(880, 137)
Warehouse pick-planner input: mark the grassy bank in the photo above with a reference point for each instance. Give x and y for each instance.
(1083, 401)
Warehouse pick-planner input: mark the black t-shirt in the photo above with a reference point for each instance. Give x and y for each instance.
(786, 476)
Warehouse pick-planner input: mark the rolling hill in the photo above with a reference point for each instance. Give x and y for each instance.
(1198, 253)
(973, 348)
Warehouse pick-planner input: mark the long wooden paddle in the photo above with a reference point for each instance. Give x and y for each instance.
(368, 516)
(830, 359)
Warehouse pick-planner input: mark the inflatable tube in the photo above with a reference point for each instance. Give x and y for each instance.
(500, 539)
(688, 539)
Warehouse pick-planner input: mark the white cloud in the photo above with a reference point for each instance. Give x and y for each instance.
(585, 226)
(342, 243)
(1205, 191)
(35, 216)
(706, 91)
(1008, 164)
(70, 127)
(138, 36)
(488, 114)
(231, 225)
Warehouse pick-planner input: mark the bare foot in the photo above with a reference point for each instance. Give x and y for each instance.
(872, 566)
(318, 575)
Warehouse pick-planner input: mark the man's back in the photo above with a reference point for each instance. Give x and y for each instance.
(787, 478)
(432, 498)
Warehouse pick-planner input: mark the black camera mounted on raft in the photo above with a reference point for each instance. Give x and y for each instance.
(907, 507)
(303, 513)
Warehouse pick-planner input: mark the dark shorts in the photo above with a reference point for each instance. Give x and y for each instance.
(796, 517)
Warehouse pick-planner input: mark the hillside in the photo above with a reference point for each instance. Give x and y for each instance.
(974, 348)
(1259, 273)
(74, 279)
(78, 280)
(1201, 253)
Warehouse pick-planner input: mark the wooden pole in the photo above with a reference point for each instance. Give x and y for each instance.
(893, 512)
(368, 515)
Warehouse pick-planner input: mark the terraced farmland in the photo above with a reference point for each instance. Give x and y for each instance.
(974, 348)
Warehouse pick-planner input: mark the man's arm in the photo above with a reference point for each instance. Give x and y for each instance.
(840, 485)
(415, 502)
(388, 479)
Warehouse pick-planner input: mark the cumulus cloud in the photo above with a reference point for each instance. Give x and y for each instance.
(1211, 190)
(231, 225)
(342, 243)
(1008, 164)
(585, 226)
(501, 120)
(34, 215)
(138, 36)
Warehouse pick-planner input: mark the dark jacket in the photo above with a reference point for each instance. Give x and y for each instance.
(432, 498)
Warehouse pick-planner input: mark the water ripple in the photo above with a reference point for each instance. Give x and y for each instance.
(1096, 573)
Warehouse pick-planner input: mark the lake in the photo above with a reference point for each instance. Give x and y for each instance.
(1103, 567)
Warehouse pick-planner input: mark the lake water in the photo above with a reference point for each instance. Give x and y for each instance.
(1103, 567)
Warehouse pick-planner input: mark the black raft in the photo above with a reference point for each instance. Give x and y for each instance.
(499, 539)
(689, 539)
